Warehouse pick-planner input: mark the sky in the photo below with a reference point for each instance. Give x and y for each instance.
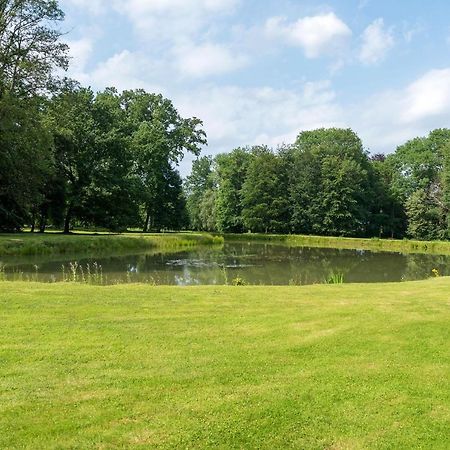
(261, 71)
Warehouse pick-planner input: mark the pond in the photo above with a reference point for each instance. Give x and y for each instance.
(254, 262)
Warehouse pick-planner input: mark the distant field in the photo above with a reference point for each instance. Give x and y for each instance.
(322, 367)
(50, 243)
(385, 245)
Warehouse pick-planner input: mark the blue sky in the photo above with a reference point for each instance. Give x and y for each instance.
(259, 72)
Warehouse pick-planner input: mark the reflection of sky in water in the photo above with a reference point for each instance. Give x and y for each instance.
(256, 263)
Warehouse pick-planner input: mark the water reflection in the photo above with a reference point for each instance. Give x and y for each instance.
(256, 263)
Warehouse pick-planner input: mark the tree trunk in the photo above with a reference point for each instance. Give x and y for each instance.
(67, 220)
(147, 222)
(43, 223)
(33, 223)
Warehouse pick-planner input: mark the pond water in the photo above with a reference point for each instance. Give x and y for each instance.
(255, 263)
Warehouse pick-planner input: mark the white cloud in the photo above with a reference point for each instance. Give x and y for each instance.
(428, 96)
(172, 19)
(80, 52)
(319, 35)
(389, 118)
(246, 116)
(207, 59)
(124, 70)
(376, 42)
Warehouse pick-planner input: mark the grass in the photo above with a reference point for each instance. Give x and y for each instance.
(382, 245)
(29, 244)
(316, 367)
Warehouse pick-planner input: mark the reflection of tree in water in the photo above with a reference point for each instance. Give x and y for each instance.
(257, 263)
(277, 264)
(420, 266)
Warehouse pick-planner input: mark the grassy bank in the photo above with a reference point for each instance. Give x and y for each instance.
(336, 367)
(54, 243)
(384, 245)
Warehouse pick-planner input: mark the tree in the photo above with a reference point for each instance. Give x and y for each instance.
(93, 158)
(25, 161)
(30, 46)
(264, 193)
(231, 171)
(424, 216)
(388, 216)
(330, 184)
(30, 51)
(207, 211)
(159, 139)
(419, 167)
(198, 183)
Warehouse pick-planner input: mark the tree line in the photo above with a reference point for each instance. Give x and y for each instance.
(326, 184)
(73, 157)
(70, 156)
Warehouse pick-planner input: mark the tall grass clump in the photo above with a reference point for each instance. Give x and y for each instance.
(335, 278)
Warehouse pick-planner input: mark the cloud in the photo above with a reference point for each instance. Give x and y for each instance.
(80, 52)
(207, 59)
(245, 116)
(376, 42)
(429, 96)
(172, 19)
(318, 35)
(391, 117)
(124, 70)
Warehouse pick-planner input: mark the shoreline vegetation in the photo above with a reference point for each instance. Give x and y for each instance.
(31, 244)
(351, 366)
(369, 244)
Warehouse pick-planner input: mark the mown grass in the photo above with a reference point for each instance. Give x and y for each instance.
(384, 245)
(320, 367)
(28, 244)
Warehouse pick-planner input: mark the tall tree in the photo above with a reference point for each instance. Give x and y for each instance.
(30, 46)
(198, 183)
(388, 216)
(160, 138)
(330, 187)
(264, 193)
(424, 216)
(418, 175)
(25, 160)
(30, 51)
(231, 174)
(93, 158)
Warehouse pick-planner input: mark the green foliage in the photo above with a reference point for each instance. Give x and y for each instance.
(30, 50)
(335, 278)
(25, 160)
(265, 203)
(207, 213)
(159, 138)
(200, 195)
(238, 281)
(330, 184)
(231, 171)
(30, 46)
(425, 220)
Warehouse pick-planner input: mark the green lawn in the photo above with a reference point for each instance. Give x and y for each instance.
(326, 367)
